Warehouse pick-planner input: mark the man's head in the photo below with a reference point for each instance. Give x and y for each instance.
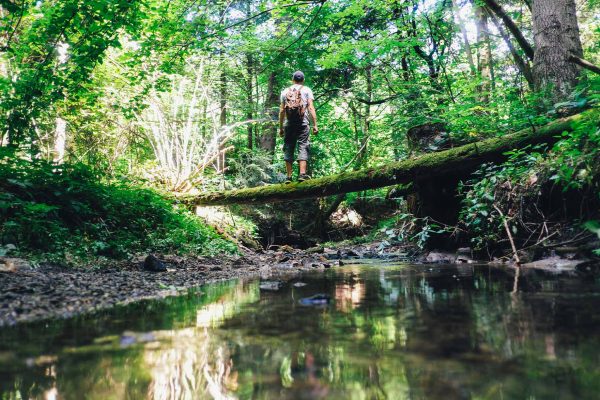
(298, 77)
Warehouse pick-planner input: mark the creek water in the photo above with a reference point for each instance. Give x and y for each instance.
(388, 331)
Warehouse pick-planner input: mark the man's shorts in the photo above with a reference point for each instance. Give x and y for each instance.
(296, 135)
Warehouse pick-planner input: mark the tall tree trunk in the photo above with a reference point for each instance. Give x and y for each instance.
(249, 99)
(405, 69)
(362, 151)
(463, 31)
(60, 139)
(222, 117)
(521, 63)
(267, 139)
(484, 55)
(556, 37)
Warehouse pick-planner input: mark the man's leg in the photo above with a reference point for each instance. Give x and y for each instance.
(289, 147)
(302, 164)
(303, 152)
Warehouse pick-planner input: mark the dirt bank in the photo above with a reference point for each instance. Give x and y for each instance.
(49, 291)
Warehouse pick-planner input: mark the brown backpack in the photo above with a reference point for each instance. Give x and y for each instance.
(294, 106)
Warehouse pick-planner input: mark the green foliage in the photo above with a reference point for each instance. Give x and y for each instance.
(377, 68)
(67, 211)
(594, 226)
(577, 156)
(253, 168)
(512, 190)
(406, 228)
(502, 186)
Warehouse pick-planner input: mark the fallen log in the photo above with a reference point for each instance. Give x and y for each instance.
(463, 158)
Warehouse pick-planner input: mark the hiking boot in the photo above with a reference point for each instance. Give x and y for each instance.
(288, 180)
(303, 177)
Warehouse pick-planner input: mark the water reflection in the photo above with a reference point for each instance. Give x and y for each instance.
(405, 332)
(349, 293)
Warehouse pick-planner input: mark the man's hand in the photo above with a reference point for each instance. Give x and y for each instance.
(281, 132)
(315, 130)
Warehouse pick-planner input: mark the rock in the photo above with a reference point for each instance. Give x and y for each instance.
(464, 255)
(556, 263)
(287, 249)
(309, 263)
(8, 264)
(332, 254)
(316, 300)
(370, 254)
(283, 259)
(241, 262)
(270, 286)
(353, 253)
(153, 264)
(315, 250)
(460, 259)
(437, 257)
(6, 249)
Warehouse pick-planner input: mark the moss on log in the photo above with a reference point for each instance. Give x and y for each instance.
(464, 158)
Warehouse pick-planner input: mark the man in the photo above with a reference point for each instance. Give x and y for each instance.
(296, 108)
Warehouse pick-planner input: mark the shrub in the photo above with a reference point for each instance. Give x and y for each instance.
(70, 211)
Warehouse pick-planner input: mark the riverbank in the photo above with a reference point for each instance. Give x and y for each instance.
(49, 291)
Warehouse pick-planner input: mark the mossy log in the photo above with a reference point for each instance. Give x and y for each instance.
(464, 158)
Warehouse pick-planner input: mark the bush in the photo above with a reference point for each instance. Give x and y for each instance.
(69, 211)
(516, 190)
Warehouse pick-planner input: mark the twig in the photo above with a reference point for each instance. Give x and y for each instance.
(510, 238)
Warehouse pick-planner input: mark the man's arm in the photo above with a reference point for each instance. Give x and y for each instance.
(281, 119)
(313, 115)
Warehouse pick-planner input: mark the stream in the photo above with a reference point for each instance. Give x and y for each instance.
(379, 331)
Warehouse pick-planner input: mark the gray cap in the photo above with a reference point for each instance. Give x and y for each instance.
(298, 76)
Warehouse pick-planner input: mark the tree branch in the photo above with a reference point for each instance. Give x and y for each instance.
(512, 27)
(584, 63)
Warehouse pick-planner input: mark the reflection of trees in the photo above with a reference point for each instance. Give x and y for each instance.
(349, 295)
(195, 364)
(186, 363)
(451, 332)
(414, 334)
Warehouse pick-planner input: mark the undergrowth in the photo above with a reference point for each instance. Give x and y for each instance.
(519, 190)
(68, 214)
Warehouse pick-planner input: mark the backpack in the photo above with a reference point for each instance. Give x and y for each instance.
(294, 106)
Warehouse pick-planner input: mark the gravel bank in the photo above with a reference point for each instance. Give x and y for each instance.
(29, 294)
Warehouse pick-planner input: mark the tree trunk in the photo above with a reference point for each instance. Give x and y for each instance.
(249, 99)
(266, 141)
(463, 31)
(449, 162)
(521, 64)
(556, 37)
(60, 139)
(405, 69)
(484, 55)
(222, 118)
(362, 150)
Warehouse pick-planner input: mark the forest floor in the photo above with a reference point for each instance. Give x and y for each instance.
(49, 291)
